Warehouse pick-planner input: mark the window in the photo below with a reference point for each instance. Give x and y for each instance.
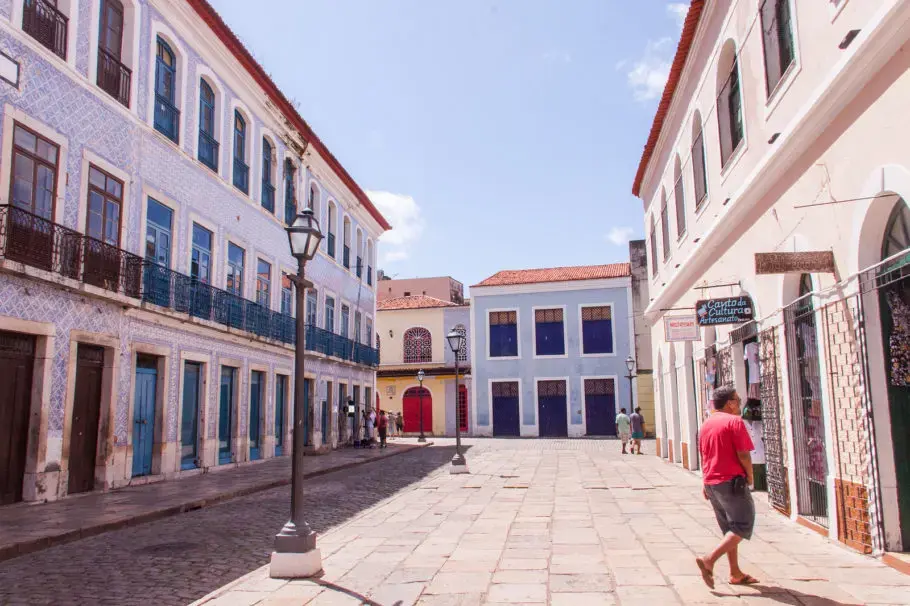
(263, 283)
(729, 108)
(369, 262)
(287, 304)
(777, 39)
(105, 201)
(208, 144)
(358, 266)
(665, 225)
(167, 116)
(241, 170)
(462, 354)
(679, 196)
(653, 248)
(159, 223)
(357, 318)
(368, 336)
(312, 298)
(345, 321)
(346, 257)
(330, 314)
(113, 77)
(290, 192)
(34, 173)
(418, 346)
(549, 337)
(268, 189)
(43, 21)
(897, 233)
(236, 258)
(699, 167)
(597, 329)
(503, 334)
(330, 230)
(201, 259)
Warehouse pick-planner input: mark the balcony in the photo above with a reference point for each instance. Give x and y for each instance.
(330, 244)
(241, 176)
(43, 22)
(31, 240)
(268, 197)
(208, 150)
(167, 117)
(114, 77)
(346, 257)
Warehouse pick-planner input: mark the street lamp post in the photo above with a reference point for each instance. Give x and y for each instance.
(296, 555)
(420, 376)
(459, 464)
(630, 364)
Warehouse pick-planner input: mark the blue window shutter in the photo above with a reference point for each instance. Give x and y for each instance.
(597, 336)
(550, 339)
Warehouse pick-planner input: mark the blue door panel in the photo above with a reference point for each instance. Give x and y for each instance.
(144, 420)
(256, 385)
(189, 432)
(600, 415)
(551, 413)
(505, 417)
(226, 415)
(280, 400)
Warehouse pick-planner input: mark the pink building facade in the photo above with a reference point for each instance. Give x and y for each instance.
(444, 287)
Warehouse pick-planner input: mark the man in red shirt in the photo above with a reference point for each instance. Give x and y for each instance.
(725, 448)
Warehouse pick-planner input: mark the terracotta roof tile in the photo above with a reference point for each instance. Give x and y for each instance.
(557, 274)
(679, 62)
(413, 302)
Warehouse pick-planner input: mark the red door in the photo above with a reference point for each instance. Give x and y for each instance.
(411, 410)
(462, 409)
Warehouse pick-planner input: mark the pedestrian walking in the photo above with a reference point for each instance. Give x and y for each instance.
(638, 430)
(369, 421)
(623, 428)
(383, 429)
(725, 448)
(400, 422)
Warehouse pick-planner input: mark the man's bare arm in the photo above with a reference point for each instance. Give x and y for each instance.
(745, 459)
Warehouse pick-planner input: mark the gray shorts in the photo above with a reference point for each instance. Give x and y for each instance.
(735, 512)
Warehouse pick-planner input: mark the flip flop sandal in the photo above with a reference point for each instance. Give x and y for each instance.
(706, 575)
(746, 579)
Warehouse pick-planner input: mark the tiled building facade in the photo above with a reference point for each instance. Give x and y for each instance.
(205, 295)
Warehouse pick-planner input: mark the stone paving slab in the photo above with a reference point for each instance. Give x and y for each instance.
(30, 527)
(563, 539)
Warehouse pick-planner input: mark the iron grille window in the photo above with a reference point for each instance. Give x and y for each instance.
(699, 168)
(772, 419)
(505, 389)
(597, 329)
(462, 408)
(665, 226)
(208, 144)
(503, 334)
(599, 387)
(43, 21)
(777, 39)
(167, 116)
(462, 353)
(418, 346)
(730, 115)
(551, 389)
(549, 336)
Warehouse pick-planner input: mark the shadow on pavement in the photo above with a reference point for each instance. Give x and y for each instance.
(787, 595)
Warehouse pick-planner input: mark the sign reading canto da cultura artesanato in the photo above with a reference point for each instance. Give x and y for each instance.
(729, 310)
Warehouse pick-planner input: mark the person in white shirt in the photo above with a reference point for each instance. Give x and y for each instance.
(623, 428)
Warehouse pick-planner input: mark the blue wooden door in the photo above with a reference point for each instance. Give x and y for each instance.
(144, 416)
(189, 429)
(505, 409)
(226, 414)
(600, 407)
(552, 410)
(257, 383)
(281, 398)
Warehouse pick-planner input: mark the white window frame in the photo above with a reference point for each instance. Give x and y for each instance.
(537, 380)
(584, 402)
(565, 332)
(490, 400)
(487, 313)
(581, 326)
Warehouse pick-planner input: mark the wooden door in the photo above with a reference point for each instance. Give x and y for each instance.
(17, 354)
(552, 409)
(506, 421)
(600, 407)
(410, 405)
(86, 414)
(144, 414)
(189, 416)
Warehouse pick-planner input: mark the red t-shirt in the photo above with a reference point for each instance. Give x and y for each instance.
(383, 421)
(721, 437)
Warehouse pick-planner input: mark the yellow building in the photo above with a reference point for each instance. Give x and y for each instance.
(412, 332)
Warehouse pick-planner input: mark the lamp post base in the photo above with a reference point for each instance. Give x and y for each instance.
(459, 465)
(295, 565)
(422, 439)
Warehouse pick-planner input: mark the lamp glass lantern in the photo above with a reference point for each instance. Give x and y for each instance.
(420, 375)
(454, 339)
(304, 235)
(630, 364)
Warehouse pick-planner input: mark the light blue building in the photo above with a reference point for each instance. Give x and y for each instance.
(549, 351)
(149, 167)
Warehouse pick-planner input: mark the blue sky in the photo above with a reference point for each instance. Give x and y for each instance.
(493, 134)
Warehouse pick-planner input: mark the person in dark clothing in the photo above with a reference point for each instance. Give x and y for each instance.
(383, 429)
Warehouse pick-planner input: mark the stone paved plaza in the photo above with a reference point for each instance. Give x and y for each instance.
(564, 523)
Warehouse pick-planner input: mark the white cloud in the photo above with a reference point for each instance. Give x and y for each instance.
(648, 75)
(620, 235)
(403, 214)
(678, 11)
(553, 57)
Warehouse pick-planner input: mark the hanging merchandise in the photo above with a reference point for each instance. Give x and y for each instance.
(751, 355)
(900, 340)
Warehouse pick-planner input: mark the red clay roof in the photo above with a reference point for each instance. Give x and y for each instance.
(679, 62)
(557, 274)
(233, 43)
(413, 302)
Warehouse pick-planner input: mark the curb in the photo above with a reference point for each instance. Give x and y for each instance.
(16, 550)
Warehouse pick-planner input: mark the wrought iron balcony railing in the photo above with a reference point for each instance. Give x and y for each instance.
(268, 197)
(241, 176)
(167, 117)
(114, 77)
(208, 150)
(38, 242)
(43, 22)
(330, 244)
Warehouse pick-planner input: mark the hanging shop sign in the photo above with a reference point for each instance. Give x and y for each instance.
(729, 310)
(819, 261)
(681, 328)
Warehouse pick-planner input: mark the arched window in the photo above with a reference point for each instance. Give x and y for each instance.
(290, 191)
(777, 39)
(653, 247)
(729, 103)
(369, 262)
(358, 267)
(699, 164)
(268, 187)
(463, 350)
(332, 223)
(679, 195)
(114, 51)
(346, 252)
(897, 233)
(208, 143)
(241, 169)
(664, 224)
(167, 116)
(418, 346)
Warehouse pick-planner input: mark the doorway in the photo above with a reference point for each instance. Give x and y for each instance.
(505, 409)
(552, 409)
(281, 399)
(17, 354)
(226, 398)
(144, 414)
(189, 417)
(257, 392)
(86, 414)
(411, 402)
(600, 407)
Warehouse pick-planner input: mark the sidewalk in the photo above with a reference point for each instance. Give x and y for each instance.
(564, 526)
(28, 527)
